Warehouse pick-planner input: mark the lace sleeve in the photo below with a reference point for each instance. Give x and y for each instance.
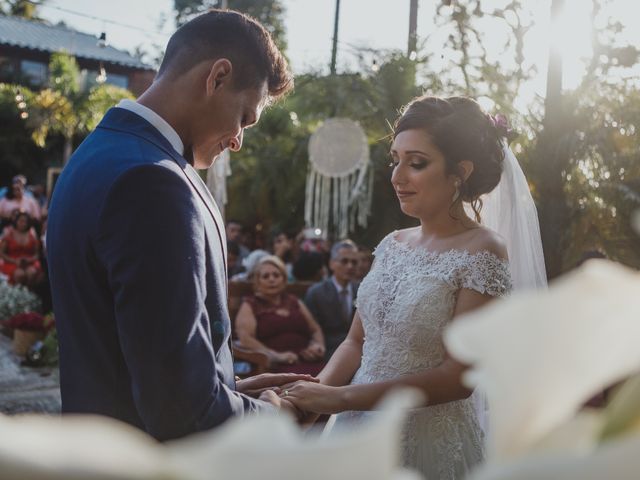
(488, 274)
(379, 250)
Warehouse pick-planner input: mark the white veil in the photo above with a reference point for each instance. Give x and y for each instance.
(510, 211)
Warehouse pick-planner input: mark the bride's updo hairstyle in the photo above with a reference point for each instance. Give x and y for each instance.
(459, 128)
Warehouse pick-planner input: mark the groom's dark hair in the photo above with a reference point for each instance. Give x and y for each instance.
(236, 37)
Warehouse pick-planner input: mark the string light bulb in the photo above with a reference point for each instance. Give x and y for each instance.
(102, 74)
(21, 104)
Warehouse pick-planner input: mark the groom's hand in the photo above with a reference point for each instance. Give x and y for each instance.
(255, 386)
(281, 404)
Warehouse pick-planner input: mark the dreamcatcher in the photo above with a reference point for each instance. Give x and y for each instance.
(340, 180)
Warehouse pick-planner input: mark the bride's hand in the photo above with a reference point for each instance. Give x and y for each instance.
(254, 386)
(314, 397)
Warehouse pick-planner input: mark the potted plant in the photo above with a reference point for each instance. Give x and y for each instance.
(15, 299)
(28, 328)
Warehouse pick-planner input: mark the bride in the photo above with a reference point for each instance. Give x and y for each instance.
(446, 153)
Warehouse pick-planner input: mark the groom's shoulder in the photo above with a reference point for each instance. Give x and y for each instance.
(487, 240)
(107, 153)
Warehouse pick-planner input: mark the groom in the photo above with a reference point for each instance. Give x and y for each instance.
(137, 245)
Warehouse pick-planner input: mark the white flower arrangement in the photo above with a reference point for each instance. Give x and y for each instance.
(16, 299)
(539, 356)
(266, 447)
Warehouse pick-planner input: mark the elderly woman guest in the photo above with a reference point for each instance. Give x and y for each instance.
(20, 250)
(278, 324)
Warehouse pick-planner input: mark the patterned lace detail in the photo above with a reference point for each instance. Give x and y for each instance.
(405, 302)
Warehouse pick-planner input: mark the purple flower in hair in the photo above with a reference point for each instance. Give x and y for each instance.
(501, 123)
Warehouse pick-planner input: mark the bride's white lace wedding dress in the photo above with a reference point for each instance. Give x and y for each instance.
(405, 302)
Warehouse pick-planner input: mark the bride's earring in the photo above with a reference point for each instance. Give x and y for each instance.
(456, 194)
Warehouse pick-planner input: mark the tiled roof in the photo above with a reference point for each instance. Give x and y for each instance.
(18, 32)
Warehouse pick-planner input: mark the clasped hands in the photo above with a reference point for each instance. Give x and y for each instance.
(298, 394)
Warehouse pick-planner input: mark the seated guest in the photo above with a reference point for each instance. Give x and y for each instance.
(248, 265)
(234, 265)
(309, 267)
(15, 199)
(39, 193)
(332, 301)
(278, 324)
(282, 247)
(233, 231)
(20, 251)
(312, 240)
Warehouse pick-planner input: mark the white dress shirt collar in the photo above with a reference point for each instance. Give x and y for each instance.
(156, 120)
(339, 287)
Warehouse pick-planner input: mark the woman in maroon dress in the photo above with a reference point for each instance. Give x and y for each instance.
(278, 324)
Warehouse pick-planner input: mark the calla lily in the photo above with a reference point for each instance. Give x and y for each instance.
(266, 447)
(78, 447)
(539, 357)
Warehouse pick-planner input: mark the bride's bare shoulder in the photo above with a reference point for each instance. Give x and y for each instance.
(406, 234)
(487, 240)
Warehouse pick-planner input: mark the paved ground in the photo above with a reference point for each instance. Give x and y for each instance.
(26, 389)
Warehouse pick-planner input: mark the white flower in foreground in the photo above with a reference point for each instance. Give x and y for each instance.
(35, 447)
(539, 357)
(267, 447)
(270, 447)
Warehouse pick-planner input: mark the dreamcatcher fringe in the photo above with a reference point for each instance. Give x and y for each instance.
(345, 202)
(308, 195)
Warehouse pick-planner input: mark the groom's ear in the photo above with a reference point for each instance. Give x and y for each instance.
(219, 75)
(465, 168)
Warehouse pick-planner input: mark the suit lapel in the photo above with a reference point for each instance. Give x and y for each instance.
(126, 121)
(334, 298)
(202, 190)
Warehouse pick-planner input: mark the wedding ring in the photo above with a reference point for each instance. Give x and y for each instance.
(286, 393)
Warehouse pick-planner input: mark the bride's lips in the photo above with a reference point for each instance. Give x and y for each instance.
(403, 194)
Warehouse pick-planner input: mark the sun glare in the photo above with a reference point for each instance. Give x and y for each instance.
(571, 37)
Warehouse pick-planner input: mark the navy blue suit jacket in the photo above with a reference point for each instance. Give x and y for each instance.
(137, 260)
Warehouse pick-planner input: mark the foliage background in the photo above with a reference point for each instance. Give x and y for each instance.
(579, 148)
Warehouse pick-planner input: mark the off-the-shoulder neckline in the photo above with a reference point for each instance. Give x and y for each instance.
(443, 253)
